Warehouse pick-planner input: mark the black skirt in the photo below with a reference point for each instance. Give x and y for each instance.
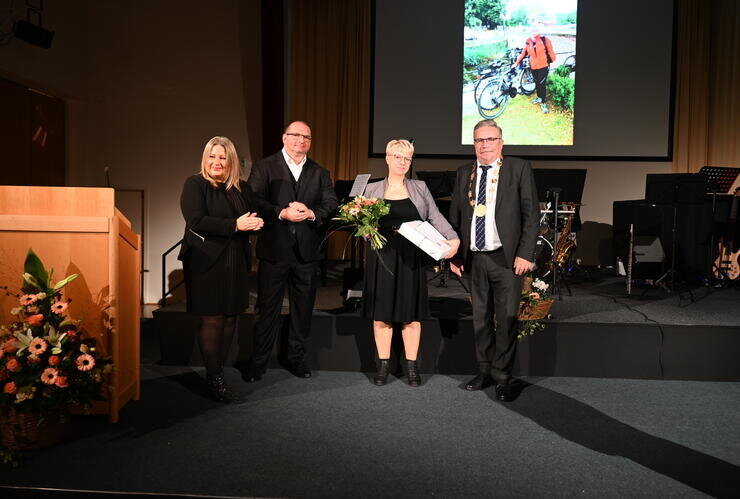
(395, 288)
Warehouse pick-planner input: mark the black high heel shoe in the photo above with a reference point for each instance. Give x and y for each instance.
(412, 373)
(381, 376)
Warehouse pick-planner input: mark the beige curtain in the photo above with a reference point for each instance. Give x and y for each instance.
(707, 118)
(329, 80)
(329, 86)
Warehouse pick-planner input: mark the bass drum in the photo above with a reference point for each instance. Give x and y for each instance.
(542, 257)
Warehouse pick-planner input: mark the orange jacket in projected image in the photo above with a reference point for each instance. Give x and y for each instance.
(535, 49)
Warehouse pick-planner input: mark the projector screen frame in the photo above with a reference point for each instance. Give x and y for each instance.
(535, 157)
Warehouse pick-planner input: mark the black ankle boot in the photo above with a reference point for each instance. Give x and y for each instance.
(220, 391)
(382, 375)
(412, 373)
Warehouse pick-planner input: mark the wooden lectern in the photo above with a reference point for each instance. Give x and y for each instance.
(78, 230)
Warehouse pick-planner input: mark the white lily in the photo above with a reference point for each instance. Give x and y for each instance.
(55, 340)
(24, 340)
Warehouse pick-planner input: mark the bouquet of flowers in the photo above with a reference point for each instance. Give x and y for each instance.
(534, 305)
(365, 214)
(46, 363)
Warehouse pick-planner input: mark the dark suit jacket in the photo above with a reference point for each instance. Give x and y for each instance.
(272, 181)
(210, 222)
(517, 208)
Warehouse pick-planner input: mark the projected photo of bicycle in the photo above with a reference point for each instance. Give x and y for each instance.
(519, 68)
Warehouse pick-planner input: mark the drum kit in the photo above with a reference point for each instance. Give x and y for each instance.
(555, 243)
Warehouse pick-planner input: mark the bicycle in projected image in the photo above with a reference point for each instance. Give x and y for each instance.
(498, 82)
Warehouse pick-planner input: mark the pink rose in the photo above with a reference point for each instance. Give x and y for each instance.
(10, 346)
(54, 360)
(10, 388)
(35, 320)
(62, 382)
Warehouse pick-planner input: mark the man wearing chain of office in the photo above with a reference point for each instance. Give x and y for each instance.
(495, 209)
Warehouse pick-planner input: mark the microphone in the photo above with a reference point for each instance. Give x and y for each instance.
(107, 176)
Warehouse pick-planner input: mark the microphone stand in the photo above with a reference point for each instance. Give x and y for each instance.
(553, 262)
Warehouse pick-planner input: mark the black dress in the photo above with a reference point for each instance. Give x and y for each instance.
(402, 295)
(220, 287)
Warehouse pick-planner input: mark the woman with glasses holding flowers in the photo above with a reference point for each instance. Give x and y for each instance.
(395, 289)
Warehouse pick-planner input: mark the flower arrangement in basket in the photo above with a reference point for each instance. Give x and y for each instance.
(534, 306)
(365, 214)
(47, 366)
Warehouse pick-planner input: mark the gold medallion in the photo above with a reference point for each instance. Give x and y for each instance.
(480, 210)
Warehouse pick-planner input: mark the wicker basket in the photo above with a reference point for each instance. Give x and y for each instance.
(26, 430)
(536, 313)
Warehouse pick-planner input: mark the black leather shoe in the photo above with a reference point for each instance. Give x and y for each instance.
(505, 392)
(300, 370)
(219, 390)
(381, 376)
(483, 380)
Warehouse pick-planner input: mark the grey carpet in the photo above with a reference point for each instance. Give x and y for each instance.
(337, 435)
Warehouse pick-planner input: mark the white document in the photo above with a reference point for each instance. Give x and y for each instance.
(426, 237)
(358, 186)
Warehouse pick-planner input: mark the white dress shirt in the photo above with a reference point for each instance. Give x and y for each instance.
(295, 168)
(493, 242)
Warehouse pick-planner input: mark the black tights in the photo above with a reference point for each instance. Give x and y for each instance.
(215, 336)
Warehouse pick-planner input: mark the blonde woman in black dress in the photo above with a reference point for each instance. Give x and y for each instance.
(219, 210)
(395, 290)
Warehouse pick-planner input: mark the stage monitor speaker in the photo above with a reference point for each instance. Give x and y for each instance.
(352, 284)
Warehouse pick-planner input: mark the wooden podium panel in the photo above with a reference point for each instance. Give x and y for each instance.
(77, 230)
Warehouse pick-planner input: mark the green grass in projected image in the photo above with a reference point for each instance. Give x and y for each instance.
(496, 32)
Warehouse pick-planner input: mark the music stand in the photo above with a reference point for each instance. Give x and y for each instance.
(562, 186)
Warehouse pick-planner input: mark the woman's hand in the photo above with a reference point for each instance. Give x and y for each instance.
(454, 244)
(249, 221)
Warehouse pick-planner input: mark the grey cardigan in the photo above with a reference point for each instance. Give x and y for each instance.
(422, 199)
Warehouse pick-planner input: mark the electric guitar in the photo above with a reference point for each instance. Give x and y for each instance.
(727, 264)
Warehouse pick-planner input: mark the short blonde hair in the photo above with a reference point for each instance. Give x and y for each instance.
(232, 162)
(400, 146)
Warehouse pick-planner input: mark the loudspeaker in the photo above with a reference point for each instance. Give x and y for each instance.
(352, 284)
(33, 34)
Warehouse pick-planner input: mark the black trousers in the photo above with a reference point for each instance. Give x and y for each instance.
(540, 81)
(273, 277)
(495, 289)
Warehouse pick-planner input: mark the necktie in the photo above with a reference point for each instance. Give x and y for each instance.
(480, 219)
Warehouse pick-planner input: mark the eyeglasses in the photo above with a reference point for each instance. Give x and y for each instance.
(402, 159)
(300, 135)
(484, 140)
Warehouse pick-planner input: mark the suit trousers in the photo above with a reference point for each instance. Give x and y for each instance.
(273, 277)
(495, 289)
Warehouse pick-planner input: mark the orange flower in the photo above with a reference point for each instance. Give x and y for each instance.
(62, 382)
(85, 362)
(10, 346)
(54, 360)
(27, 299)
(13, 365)
(10, 388)
(59, 307)
(49, 376)
(35, 320)
(37, 346)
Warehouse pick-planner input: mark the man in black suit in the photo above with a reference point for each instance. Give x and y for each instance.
(301, 195)
(495, 210)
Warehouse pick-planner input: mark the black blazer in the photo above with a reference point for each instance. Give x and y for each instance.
(210, 222)
(517, 208)
(272, 181)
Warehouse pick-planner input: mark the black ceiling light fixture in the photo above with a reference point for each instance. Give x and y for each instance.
(35, 34)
